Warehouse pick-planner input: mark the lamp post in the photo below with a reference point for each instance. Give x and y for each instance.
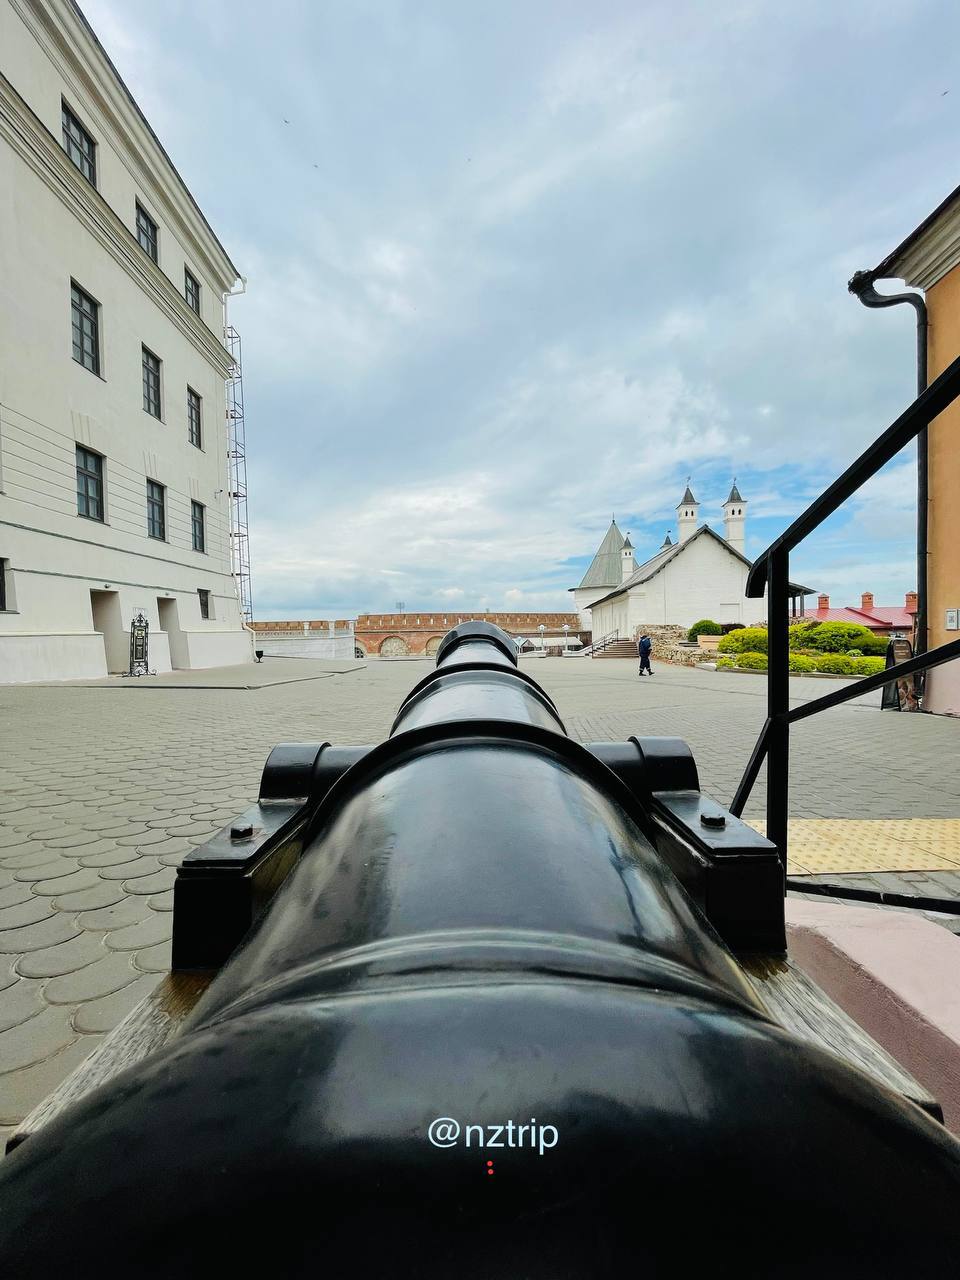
(541, 629)
(566, 637)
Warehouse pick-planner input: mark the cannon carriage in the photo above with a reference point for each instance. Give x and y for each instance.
(482, 1000)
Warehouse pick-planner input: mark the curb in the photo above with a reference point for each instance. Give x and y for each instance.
(794, 675)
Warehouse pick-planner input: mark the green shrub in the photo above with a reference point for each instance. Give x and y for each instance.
(752, 661)
(704, 628)
(867, 666)
(731, 626)
(838, 637)
(836, 664)
(876, 646)
(799, 633)
(745, 640)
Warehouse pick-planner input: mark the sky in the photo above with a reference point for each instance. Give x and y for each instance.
(514, 267)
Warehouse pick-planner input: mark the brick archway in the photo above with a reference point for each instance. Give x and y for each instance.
(432, 645)
(394, 647)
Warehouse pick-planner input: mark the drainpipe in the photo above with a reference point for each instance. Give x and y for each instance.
(862, 285)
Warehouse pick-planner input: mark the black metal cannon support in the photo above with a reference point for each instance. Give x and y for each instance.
(731, 872)
(482, 1030)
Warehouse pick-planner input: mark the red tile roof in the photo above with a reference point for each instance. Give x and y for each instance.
(894, 615)
(879, 618)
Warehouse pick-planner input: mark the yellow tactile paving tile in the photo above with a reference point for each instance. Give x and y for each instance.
(818, 845)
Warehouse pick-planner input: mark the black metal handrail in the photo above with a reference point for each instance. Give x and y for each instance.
(770, 573)
(598, 646)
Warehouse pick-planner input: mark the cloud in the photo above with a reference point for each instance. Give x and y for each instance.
(512, 268)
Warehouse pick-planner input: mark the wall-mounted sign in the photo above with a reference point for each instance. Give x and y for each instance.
(953, 620)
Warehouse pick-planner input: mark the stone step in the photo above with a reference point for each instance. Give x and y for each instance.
(619, 649)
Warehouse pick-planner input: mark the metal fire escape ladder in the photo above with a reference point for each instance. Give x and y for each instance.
(237, 476)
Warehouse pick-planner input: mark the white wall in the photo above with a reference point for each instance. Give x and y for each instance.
(219, 648)
(583, 598)
(705, 581)
(316, 644)
(55, 228)
(612, 616)
(73, 656)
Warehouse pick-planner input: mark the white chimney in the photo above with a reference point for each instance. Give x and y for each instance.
(628, 562)
(687, 509)
(735, 519)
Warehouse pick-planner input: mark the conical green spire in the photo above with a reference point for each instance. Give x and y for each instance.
(604, 569)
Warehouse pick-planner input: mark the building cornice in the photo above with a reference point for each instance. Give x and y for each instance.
(35, 144)
(64, 34)
(930, 251)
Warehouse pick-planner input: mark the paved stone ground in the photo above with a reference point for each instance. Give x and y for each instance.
(104, 786)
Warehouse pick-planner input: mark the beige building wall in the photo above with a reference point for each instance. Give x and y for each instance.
(73, 584)
(943, 529)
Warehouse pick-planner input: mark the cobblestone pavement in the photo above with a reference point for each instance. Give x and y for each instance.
(105, 786)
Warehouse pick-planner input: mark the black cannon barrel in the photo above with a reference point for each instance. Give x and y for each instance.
(489, 839)
(482, 1031)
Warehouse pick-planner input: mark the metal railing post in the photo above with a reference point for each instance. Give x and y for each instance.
(751, 771)
(769, 574)
(778, 701)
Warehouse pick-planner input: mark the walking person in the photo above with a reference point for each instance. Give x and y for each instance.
(644, 646)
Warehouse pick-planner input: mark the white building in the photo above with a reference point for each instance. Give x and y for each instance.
(702, 575)
(113, 436)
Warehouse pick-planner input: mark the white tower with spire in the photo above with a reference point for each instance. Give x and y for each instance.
(628, 562)
(734, 519)
(687, 509)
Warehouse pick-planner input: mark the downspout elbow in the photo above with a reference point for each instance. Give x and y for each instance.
(862, 286)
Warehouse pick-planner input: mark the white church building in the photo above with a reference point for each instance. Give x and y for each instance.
(701, 575)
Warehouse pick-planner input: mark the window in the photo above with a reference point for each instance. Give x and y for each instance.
(204, 601)
(78, 144)
(3, 585)
(89, 484)
(191, 290)
(197, 511)
(156, 510)
(146, 232)
(193, 418)
(151, 383)
(85, 314)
